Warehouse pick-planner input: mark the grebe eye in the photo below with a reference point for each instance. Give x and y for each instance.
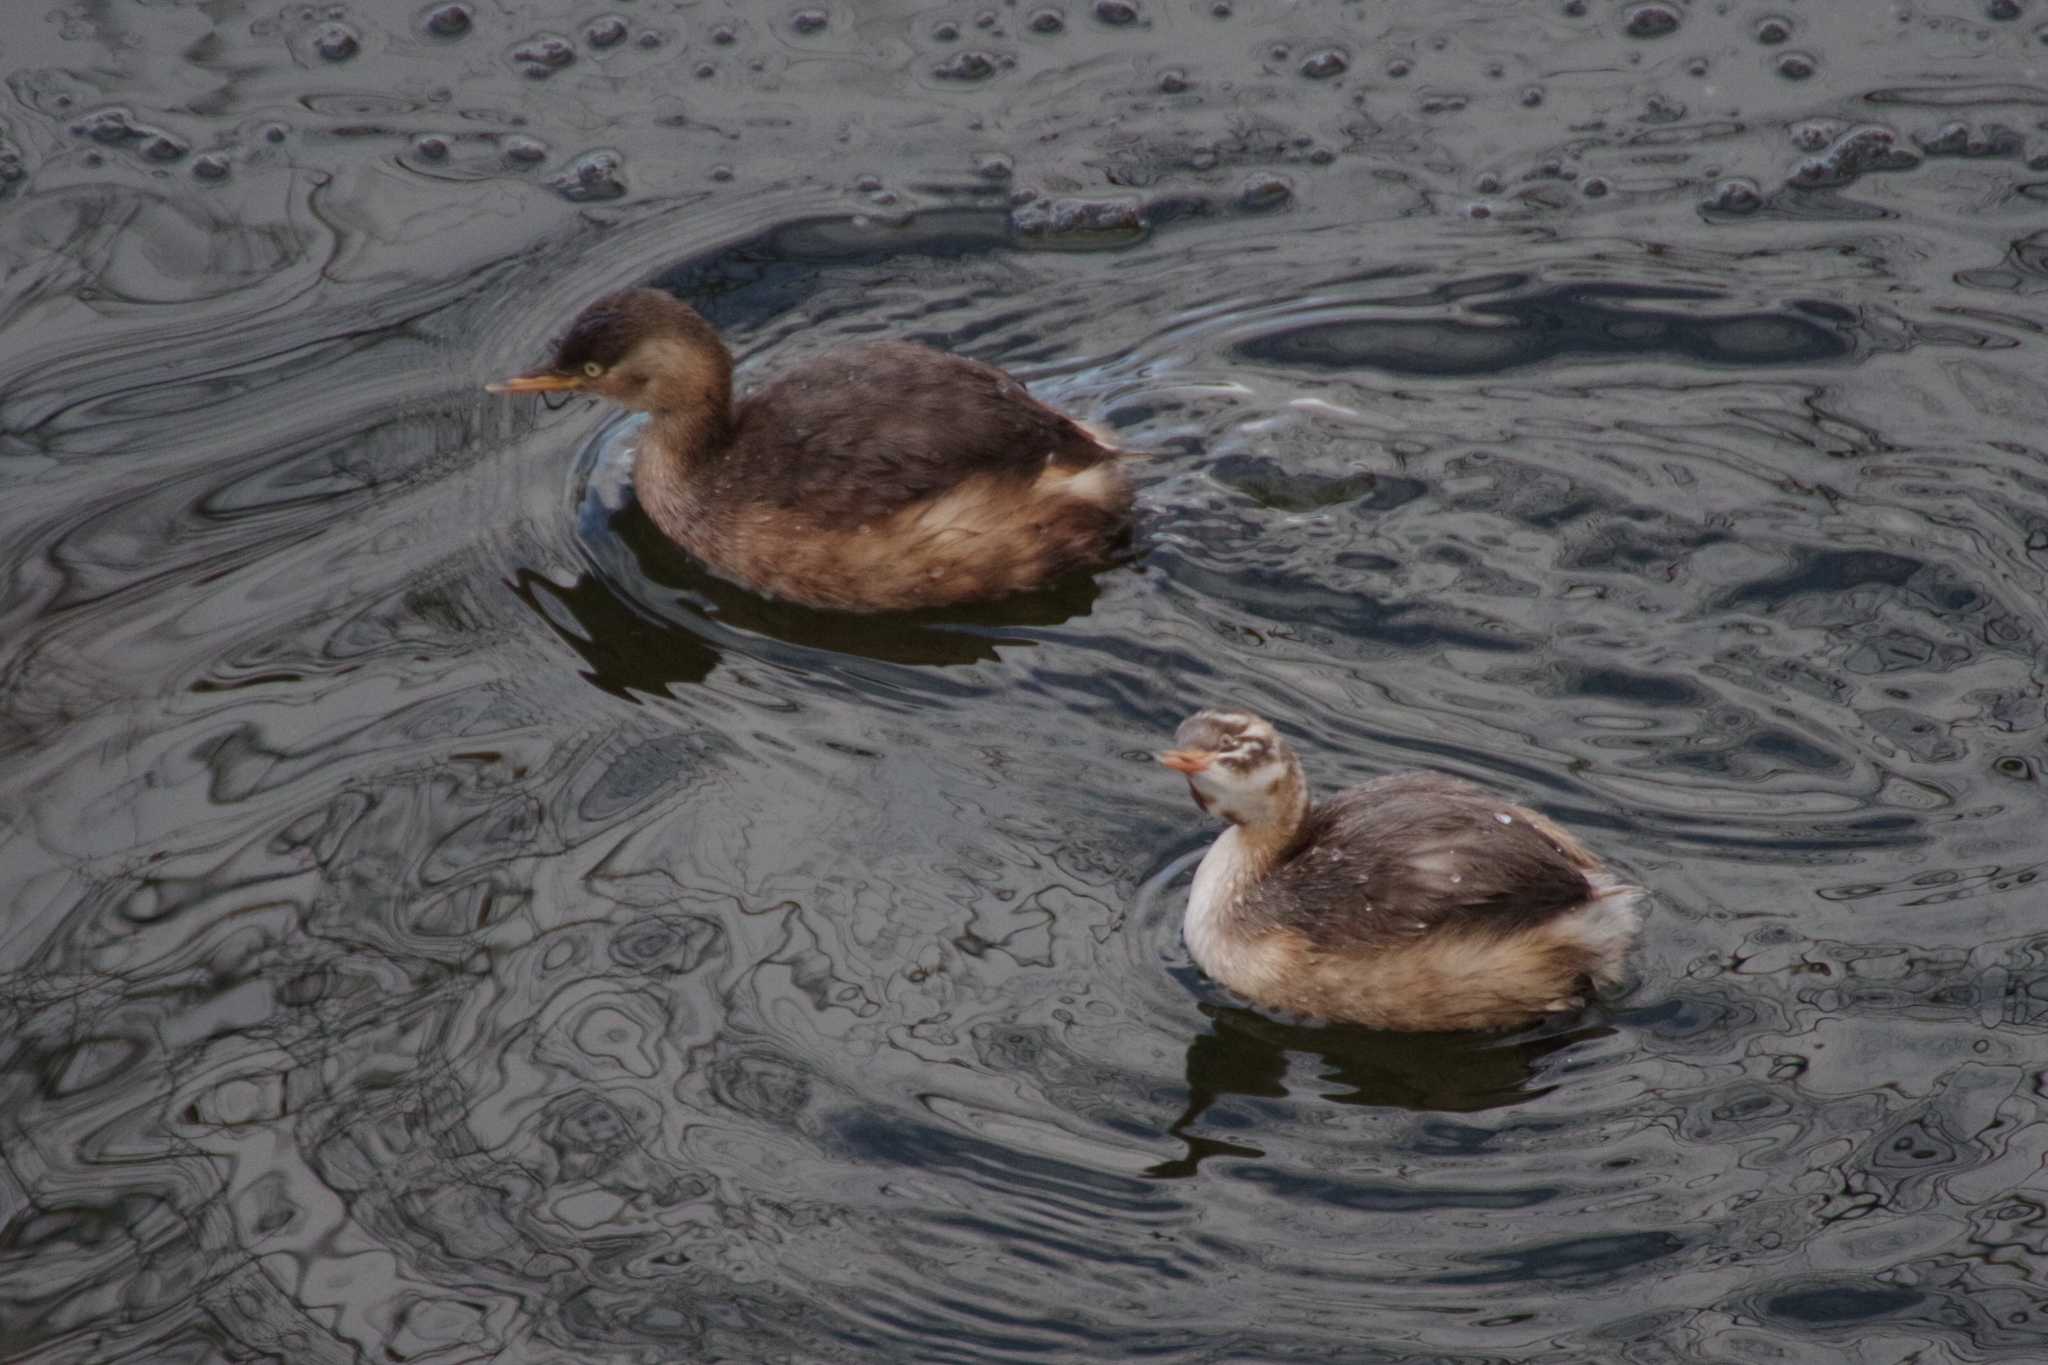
(591, 369)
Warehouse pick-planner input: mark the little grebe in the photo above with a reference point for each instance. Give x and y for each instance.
(879, 477)
(1416, 901)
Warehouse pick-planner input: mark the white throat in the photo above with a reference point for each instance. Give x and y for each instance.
(1226, 871)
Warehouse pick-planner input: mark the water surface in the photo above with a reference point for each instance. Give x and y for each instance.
(442, 925)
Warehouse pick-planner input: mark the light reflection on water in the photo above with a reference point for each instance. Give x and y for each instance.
(443, 925)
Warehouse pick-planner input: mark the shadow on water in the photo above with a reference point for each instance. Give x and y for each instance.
(650, 616)
(1248, 1053)
(1508, 322)
(1567, 322)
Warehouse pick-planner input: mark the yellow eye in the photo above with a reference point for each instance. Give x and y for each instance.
(591, 369)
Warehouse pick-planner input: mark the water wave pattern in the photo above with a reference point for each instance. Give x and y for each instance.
(441, 925)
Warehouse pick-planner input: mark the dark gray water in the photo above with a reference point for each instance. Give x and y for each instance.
(440, 926)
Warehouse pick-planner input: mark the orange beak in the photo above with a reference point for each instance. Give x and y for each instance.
(540, 381)
(1186, 760)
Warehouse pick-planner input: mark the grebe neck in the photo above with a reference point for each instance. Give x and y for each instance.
(1240, 858)
(677, 459)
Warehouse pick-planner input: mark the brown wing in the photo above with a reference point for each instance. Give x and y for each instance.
(861, 432)
(1412, 852)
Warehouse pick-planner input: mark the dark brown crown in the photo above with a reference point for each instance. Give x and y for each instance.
(609, 328)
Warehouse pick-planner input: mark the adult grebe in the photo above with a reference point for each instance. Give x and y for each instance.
(879, 477)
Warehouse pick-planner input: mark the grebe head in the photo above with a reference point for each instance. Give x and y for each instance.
(642, 349)
(1239, 768)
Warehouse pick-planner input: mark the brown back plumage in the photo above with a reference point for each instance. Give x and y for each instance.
(866, 431)
(1417, 852)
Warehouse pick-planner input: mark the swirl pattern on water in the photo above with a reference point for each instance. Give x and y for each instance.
(442, 926)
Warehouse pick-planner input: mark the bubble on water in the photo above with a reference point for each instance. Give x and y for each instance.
(163, 147)
(336, 42)
(994, 166)
(1698, 66)
(543, 54)
(1655, 20)
(945, 31)
(1173, 81)
(1735, 195)
(1221, 9)
(607, 30)
(985, 20)
(1574, 9)
(1399, 67)
(1117, 12)
(968, 64)
(721, 173)
(1046, 20)
(1859, 151)
(522, 150)
(447, 21)
(2002, 10)
(1074, 222)
(275, 132)
(1478, 211)
(725, 35)
(1593, 187)
(1488, 183)
(1264, 191)
(1773, 29)
(1795, 66)
(648, 40)
(430, 147)
(1960, 139)
(1814, 134)
(1532, 97)
(1663, 109)
(592, 177)
(705, 70)
(205, 166)
(106, 125)
(1320, 66)
(809, 21)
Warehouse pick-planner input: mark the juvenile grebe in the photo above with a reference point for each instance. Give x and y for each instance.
(875, 478)
(1415, 901)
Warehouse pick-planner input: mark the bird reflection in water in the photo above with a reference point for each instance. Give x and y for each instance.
(1248, 1053)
